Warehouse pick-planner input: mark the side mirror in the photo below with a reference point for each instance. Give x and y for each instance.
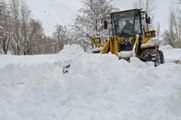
(148, 20)
(105, 24)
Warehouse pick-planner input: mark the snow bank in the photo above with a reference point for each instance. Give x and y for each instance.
(171, 54)
(97, 87)
(25, 60)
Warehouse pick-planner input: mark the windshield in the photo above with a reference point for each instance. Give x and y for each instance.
(127, 23)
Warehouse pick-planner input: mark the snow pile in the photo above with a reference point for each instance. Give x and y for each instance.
(107, 89)
(69, 53)
(97, 87)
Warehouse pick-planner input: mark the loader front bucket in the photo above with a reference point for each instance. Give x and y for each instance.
(111, 46)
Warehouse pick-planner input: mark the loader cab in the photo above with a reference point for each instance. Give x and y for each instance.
(127, 23)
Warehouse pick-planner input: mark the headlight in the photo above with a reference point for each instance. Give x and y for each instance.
(97, 40)
(150, 34)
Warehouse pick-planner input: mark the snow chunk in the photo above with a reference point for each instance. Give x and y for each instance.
(125, 54)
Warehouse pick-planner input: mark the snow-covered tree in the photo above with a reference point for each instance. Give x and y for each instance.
(170, 36)
(92, 14)
(15, 15)
(90, 20)
(60, 35)
(20, 34)
(2, 10)
(179, 26)
(25, 29)
(146, 5)
(35, 31)
(5, 27)
(158, 30)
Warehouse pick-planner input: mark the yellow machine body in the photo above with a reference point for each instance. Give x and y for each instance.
(114, 41)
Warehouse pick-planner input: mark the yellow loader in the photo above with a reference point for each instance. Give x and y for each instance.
(130, 36)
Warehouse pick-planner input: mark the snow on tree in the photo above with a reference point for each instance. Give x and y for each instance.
(5, 27)
(24, 33)
(158, 30)
(20, 34)
(90, 20)
(146, 5)
(172, 36)
(60, 35)
(34, 33)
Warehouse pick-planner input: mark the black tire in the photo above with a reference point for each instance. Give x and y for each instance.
(157, 58)
(153, 55)
(161, 56)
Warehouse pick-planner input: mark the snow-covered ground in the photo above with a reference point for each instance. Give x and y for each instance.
(97, 87)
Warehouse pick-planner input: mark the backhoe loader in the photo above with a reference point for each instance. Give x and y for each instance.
(130, 36)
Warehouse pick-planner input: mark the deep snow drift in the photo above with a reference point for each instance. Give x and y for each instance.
(97, 87)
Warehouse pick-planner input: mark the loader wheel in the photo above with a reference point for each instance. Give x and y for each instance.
(153, 55)
(156, 57)
(161, 56)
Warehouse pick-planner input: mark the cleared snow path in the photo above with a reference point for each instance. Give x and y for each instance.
(97, 87)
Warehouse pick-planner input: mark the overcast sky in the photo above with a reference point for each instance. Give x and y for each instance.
(52, 12)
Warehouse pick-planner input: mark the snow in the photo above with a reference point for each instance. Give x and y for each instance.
(171, 55)
(125, 54)
(97, 87)
(96, 50)
(25, 60)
